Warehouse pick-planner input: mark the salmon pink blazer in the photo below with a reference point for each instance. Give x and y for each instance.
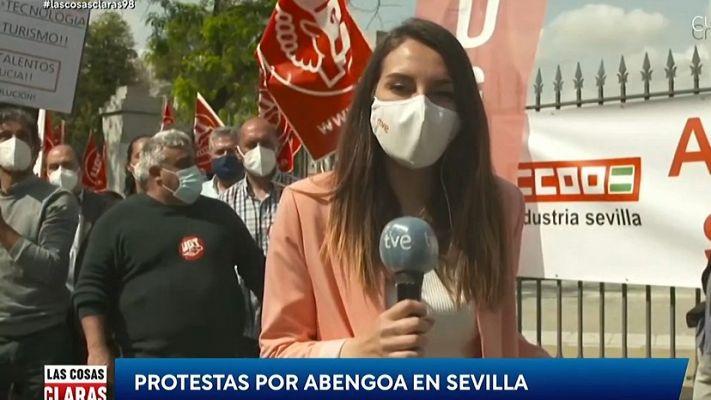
(312, 304)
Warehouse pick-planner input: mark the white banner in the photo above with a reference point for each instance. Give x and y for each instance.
(40, 54)
(619, 193)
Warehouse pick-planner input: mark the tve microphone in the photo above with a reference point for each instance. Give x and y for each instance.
(409, 249)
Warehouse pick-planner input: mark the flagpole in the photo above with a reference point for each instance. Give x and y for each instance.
(62, 138)
(162, 117)
(41, 115)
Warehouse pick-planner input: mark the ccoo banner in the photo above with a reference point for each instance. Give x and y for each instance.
(619, 193)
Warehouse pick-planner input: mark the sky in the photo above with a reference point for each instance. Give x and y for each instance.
(574, 31)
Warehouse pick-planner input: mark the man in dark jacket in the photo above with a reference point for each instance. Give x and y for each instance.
(63, 170)
(164, 261)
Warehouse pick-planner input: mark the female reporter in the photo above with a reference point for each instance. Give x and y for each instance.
(416, 143)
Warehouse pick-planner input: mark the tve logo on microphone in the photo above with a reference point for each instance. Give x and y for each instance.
(74, 382)
(394, 240)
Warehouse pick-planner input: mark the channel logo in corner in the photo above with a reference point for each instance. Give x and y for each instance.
(74, 382)
(613, 180)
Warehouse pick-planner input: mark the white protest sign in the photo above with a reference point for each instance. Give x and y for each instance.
(40, 54)
(619, 193)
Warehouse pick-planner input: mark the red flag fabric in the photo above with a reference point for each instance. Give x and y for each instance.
(205, 121)
(168, 118)
(49, 140)
(501, 38)
(314, 54)
(94, 168)
(288, 141)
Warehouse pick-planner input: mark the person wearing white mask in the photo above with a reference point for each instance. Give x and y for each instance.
(37, 224)
(163, 262)
(255, 197)
(130, 185)
(63, 170)
(416, 143)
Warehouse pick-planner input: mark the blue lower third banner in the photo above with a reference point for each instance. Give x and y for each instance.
(383, 379)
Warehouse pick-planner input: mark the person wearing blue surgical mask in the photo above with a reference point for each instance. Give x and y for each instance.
(173, 252)
(226, 166)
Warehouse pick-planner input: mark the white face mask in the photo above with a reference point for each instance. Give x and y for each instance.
(260, 161)
(413, 132)
(64, 178)
(15, 155)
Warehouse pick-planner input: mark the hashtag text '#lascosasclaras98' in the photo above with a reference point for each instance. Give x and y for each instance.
(90, 5)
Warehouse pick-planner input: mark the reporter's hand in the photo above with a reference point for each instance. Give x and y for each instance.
(101, 355)
(399, 333)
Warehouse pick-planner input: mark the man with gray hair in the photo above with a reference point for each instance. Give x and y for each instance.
(159, 269)
(226, 167)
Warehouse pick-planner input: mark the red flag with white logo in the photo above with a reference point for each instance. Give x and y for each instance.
(288, 141)
(168, 118)
(501, 38)
(94, 168)
(314, 54)
(205, 121)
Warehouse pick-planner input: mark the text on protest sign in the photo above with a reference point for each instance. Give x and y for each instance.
(40, 54)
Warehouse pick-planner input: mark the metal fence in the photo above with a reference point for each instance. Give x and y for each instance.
(603, 289)
(534, 290)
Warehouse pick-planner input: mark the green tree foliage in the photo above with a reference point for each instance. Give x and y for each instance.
(109, 61)
(209, 48)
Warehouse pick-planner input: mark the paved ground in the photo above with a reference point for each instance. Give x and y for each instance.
(636, 338)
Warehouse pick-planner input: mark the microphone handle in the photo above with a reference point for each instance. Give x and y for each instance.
(408, 286)
(408, 291)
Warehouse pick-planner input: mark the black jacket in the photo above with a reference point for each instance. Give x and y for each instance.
(93, 205)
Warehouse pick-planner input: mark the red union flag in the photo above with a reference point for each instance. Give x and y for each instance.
(168, 118)
(288, 141)
(314, 53)
(501, 38)
(94, 168)
(205, 121)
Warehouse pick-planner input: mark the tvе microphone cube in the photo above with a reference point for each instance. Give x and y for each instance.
(74, 382)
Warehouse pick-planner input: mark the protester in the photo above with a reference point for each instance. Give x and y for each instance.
(37, 224)
(256, 196)
(416, 143)
(131, 186)
(226, 167)
(63, 170)
(164, 260)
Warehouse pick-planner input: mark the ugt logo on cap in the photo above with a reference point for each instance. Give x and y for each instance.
(74, 382)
